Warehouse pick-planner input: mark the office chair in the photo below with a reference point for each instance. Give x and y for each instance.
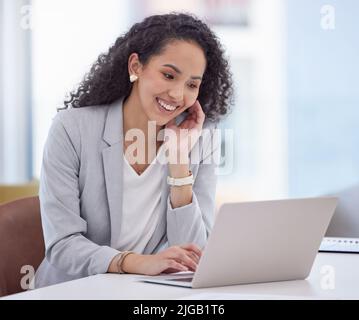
(11, 192)
(345, 222)
(21, 243)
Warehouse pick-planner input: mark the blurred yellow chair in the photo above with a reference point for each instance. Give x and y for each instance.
(9, 192)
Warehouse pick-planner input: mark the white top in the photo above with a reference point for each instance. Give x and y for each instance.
(141, 205)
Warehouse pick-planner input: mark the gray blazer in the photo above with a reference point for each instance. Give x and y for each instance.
(81, 196)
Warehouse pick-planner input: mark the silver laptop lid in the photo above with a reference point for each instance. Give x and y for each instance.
(264, 241)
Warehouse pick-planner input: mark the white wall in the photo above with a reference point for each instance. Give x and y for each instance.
(68, 36)
(2, 159)
(259, 121)
(15, 101)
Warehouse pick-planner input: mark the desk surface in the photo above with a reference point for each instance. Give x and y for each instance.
(333, 276)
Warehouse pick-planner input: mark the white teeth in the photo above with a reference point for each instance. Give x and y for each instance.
(166, 106)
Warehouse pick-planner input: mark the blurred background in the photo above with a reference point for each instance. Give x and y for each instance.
(295, 67)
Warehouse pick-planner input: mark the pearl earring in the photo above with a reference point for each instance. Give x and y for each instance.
(133, 78)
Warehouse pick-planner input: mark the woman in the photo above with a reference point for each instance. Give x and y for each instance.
(107, 204)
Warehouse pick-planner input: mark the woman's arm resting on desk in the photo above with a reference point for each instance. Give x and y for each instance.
(173, 259)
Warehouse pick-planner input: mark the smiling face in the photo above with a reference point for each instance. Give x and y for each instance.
(170, 82)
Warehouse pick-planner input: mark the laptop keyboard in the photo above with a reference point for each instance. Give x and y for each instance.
(330, 244)
(180, 279)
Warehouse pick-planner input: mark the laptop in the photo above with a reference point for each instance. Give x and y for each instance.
(263, 241)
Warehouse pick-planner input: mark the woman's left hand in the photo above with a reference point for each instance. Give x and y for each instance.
(188, 132)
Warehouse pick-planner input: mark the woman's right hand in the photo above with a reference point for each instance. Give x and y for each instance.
(173, 259)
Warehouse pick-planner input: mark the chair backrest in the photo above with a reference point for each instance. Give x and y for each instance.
(11, 192)
(345, 222)
(21, 243)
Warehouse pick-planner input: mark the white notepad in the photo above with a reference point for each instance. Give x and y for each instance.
(345, 245)
(244, 296)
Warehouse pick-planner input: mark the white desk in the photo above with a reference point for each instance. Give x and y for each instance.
(127, 287)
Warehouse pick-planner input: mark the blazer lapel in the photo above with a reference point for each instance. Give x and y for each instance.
(113, 166)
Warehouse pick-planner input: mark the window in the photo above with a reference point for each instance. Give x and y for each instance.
(259, 120)
(67, 39)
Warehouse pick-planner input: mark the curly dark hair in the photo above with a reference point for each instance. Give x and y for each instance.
(108, 79)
